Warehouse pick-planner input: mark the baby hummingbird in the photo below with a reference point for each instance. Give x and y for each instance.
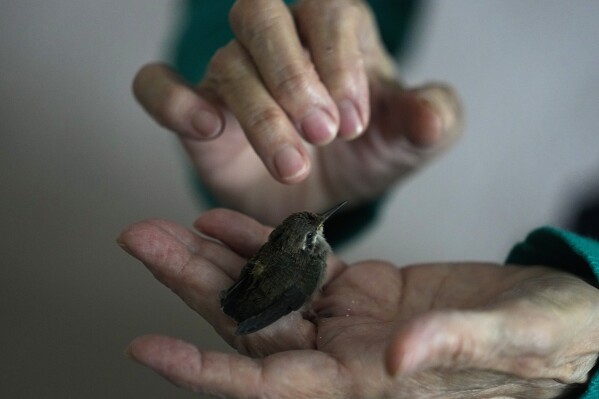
(282, 275)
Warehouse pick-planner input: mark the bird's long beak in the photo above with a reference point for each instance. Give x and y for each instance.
(329, 213)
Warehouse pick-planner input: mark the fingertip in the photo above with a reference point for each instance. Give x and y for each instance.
(176, 360)
(133, 237)
(406, 353)
(174, 104)
(142, 347)
(422, 125)
(143, 76)
(207, 124)
(440, 118)
(319, 127)
(291, 165)
(151, 349)
(162, 246)
(351, 122)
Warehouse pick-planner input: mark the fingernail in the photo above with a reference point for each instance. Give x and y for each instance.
(289, 162)
(444, 105)
(318, 127)
(122, 244)
(207, 124)
(429, 133)
(351, 124)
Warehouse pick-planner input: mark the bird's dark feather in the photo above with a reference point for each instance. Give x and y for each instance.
(291, 300)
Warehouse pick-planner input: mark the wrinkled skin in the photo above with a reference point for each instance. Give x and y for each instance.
(270, 131)
(443, 330)
(302, 110)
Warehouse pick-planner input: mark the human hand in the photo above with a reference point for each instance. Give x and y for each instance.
(302, 110)
(450, 330)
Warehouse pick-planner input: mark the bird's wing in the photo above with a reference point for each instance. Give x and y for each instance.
(246, 280)
(290, 300)
(232, 300)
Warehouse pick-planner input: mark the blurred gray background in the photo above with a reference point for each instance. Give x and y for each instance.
(79, 160)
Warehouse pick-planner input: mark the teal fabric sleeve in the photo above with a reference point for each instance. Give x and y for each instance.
(205, 28)
(569, 252)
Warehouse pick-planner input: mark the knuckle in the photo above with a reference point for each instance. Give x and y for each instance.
(331, 9)
(250, 19)
(344, 79)
(227, 64)
(223, 59)
(291, 79)
(264, 119)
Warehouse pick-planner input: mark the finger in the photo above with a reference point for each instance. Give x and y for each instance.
(233, 77)
(175, 105)
(267, 31)
(195, 269)
(287, 374)
(335, 32)
(169, 250)
(211, 373)
(241, 233)
(429, 117)
(414, 126)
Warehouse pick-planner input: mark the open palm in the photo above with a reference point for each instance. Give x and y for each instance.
(464, 330)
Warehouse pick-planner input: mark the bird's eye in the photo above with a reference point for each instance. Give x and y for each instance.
(309, 242)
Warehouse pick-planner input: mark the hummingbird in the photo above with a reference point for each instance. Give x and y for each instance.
(283, 275)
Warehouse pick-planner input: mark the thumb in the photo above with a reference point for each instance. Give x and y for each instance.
(424, 121)
(521, 345)
(439, 340)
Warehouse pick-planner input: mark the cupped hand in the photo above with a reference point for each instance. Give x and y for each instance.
(303, 109)
(452, 330)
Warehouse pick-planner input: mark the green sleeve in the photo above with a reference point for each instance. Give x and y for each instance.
(204, 28)
(569, 252)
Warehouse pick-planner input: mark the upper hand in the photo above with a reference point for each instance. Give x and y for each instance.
(302, 110)
(460, 330)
